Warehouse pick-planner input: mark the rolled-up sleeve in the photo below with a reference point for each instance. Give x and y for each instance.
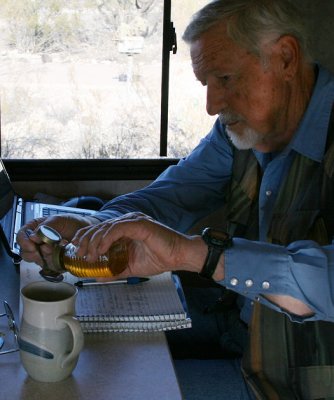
(303, 270)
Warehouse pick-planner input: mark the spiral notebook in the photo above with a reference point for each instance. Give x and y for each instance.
(155, 305)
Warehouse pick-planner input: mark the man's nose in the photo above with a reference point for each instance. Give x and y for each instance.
(215, 99)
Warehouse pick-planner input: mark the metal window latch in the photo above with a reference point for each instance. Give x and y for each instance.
(172, 39)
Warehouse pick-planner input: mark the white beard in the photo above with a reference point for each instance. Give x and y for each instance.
(247, 140)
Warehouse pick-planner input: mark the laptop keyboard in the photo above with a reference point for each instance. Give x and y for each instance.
(48, 211)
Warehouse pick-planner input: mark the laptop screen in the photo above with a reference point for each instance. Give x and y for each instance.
(8, 204)
(7, 195)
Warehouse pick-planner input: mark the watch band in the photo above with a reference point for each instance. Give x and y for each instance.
(211, 262)
(217, 242)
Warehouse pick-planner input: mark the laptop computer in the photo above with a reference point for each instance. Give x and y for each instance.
(15, 211)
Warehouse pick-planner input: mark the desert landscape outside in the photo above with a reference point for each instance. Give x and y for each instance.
(82, 79)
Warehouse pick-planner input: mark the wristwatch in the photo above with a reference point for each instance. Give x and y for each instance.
(217, 242)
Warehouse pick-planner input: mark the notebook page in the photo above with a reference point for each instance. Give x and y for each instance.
(156, 297)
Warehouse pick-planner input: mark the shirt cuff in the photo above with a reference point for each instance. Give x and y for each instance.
(256, 269)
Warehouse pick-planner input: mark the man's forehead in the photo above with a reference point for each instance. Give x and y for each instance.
(214, 37)
(205, 51)
(214, 52)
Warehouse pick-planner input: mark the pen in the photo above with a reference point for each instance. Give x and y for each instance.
(128, 281)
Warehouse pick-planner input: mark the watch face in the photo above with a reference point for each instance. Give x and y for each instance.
(217, 238)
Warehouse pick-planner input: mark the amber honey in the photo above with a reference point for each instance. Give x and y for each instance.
(110, 264)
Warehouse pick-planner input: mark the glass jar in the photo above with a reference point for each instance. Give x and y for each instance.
(64, 258)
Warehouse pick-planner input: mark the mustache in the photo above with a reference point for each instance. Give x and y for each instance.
(228, 117)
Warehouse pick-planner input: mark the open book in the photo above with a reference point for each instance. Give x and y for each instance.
(155, 305)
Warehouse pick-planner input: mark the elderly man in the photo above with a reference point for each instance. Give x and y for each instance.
(269, 160)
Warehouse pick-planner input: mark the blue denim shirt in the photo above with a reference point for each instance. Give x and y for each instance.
(194, 188)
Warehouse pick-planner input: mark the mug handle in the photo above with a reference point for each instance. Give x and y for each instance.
(78, 338)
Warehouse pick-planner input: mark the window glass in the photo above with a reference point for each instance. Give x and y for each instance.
(80, 78)
(188, 120)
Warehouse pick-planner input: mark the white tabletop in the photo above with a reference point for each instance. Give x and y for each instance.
(117, 366)
(111, 366)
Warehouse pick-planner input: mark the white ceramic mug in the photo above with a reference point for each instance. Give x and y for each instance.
(50, 337)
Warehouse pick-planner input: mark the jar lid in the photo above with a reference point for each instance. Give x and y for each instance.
(48, 235)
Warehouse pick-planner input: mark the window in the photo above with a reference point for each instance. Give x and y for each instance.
(82, 79)
(188, 120)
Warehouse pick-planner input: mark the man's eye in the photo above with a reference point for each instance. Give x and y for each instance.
(225, 78)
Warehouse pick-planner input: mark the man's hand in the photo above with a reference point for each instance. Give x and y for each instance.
(66, 225)
(153, 247)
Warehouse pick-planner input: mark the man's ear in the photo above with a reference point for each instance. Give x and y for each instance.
(287, 50)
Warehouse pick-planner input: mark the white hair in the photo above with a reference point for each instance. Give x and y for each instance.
(251, 23)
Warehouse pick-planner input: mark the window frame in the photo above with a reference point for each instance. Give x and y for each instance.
(22, 170)
(169, 44)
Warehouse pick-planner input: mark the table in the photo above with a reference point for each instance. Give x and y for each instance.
(111, 366)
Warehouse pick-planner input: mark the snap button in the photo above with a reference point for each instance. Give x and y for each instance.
(249, 283)
(234, 281)
(265, 285)
(268, 193)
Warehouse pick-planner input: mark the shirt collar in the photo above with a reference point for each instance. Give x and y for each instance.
(311, 135)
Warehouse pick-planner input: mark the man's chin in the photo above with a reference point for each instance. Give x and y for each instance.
(248, 139)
